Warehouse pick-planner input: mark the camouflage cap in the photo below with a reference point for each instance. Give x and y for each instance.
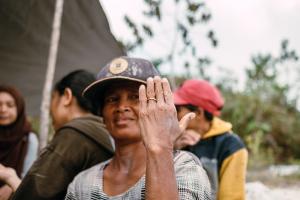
(122, 68)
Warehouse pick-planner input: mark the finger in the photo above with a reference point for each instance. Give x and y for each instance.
(158, 90)
(142, 97)
(184, 122)
(167, 92)
(150, 88)
(150, 94)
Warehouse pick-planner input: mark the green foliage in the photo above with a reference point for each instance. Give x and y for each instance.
(262, 114)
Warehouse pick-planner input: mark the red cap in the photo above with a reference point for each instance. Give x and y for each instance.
(200, 93)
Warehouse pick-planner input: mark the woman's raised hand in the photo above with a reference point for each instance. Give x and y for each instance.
(158, 118)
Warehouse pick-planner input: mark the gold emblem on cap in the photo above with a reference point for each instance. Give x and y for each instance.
(118, 66)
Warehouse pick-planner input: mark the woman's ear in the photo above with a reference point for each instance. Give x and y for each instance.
(68, 96)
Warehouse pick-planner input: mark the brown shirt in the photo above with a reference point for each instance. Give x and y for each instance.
(77, 146)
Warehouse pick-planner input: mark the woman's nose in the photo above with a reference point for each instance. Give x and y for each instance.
(123, 105)
(2, 108)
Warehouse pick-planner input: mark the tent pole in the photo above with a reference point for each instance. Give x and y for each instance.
(55, 35)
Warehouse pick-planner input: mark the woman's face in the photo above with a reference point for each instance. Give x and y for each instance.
(182, 111)
(8, 109)
(56, 110)
(121, 110)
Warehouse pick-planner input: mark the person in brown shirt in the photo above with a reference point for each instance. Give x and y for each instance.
(80, 141)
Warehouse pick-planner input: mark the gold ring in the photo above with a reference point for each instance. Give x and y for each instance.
(152, 99)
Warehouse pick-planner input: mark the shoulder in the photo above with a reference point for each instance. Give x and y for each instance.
(33, 139)
(90, 127)
(191, 176)
(230, 141)
(232, 138)
(89, 175)
(86, 124)
(187, 162)
(67, 132)
(183, 157)
(66, 138)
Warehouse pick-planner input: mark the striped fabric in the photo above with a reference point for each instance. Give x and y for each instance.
(191, 179)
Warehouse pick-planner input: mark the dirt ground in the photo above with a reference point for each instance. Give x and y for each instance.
(259, 191)
(265, 185)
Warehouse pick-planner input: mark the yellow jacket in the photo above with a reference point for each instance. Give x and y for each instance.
(224, 156)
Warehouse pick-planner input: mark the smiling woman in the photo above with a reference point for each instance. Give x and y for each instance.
(18, 145)
(122, 95)
(8, 109)
(144, 131)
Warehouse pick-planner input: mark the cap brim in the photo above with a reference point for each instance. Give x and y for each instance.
(178, 100)
(97, 88)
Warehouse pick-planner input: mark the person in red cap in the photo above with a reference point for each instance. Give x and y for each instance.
(222, 153)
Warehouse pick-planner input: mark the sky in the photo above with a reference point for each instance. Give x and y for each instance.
(243, 28)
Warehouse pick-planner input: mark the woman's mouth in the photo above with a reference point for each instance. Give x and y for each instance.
(121, 121)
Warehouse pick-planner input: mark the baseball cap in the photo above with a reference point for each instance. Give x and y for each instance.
(199, 93)
(121, 68)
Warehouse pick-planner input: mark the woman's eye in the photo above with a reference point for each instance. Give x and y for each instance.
(135, 97)
(110, 99)
(11, 105)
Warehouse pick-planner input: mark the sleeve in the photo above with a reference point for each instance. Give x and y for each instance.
(32, 153)
(233, 176)
(48, 179)
(192, 180)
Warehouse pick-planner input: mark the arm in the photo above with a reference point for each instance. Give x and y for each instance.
(160, 174)
(159, 129)
(233, 176)
(32, 153)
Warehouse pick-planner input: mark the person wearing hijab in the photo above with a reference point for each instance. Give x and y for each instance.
(18, 144)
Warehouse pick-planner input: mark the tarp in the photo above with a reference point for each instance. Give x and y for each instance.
(25, 29)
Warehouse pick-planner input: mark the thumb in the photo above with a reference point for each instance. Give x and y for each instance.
(185, 121)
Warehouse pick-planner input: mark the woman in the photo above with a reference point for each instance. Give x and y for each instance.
(140, 115)
(18, 145)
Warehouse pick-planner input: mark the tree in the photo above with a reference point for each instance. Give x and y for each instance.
(183, 19)
(264, 113)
